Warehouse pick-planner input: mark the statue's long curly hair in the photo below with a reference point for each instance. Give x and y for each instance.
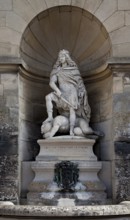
(70, 62)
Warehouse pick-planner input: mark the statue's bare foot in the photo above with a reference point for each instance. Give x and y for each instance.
(47, 135)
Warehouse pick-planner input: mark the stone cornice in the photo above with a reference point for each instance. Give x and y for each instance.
(9, 68)
(98, 76)
(9, 65)
(31, 76)
(89, 78)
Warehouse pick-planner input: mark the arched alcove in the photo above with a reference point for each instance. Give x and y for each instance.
(80, 32)
(67, 27)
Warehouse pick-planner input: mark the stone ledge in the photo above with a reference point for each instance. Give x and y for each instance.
(120, 210)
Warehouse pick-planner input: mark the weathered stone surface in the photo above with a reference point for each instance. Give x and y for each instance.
(115, 21)
(18, 19)
(6, 5)
(66, 148)
(121, 106)
(92, 5)
(9, 35)
(107, 150)
(127, 17)
(11, 19)
(65, 2)
(2, 18)
(26, 171)
(10, 82)
(122, 150)
(44, 191)
(106, 110)
(9, 178)
(121, 50)
(106, 128)
(78, 3)
(123, 5)
(38, 5)
(122, 179)
(1, 90)
(106, 9)
(105, 175)
(9, 138)
(121, 35)
(117, 85)
(24, 9)
(96, 211)
(7, 49)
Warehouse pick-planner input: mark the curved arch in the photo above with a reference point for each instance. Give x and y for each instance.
(67, 27)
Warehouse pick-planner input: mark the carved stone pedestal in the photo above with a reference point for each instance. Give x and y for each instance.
(45, 189)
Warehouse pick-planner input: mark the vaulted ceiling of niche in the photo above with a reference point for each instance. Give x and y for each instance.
(68, 28)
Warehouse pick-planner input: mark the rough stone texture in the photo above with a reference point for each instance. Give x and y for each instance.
(9, 178)
(8, 137)
(127, 17)
(44, 191)
(123, 5)
(121, 126)
(15, 15)
(24, 11)
(11, 17)
(111, 211)
(115, 21)
(122, 171)
(106, 9)
(91, 5)
(6, 5)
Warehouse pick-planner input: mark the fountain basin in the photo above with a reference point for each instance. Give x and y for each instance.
(121, 211)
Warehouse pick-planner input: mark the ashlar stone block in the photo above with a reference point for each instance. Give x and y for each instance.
(24, 9)
(92, 5)
(121, 50)
(38, 5)
(1, 90)
(64, 2)
(121, 35)
(105, 109)
(106, 9)
(123, 5)
(11, 101)
(52, 3)
(2, 18)
(9, 35)
(117, 85)
(5, 5)
(127, 17)
(78, 3)
(9, 81)
(106, 176)
(115, 21)
(11, 19)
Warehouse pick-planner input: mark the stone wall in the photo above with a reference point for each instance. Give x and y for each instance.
(100, 100)
(32, 112)
(121, 121)
(9, 136)
(15, 15)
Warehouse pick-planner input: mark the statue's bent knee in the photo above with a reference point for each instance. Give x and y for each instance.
(48, 97)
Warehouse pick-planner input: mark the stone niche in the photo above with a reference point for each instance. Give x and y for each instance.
(54, 29)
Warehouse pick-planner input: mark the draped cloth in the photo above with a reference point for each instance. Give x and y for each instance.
(73, 91)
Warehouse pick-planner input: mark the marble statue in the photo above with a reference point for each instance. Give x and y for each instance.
(70, 97)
